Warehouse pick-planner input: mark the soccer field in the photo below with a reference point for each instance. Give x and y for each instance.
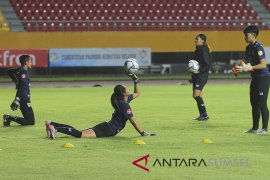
(26, 153)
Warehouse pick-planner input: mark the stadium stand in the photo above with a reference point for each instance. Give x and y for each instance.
(92, 15)
(266, 3)
(3, 24)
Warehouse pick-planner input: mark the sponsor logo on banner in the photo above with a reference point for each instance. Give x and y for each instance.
(98, 57)
(10, 57)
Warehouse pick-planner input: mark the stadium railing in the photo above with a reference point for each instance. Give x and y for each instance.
(134, 25)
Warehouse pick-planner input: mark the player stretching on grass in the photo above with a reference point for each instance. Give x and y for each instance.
(199, 78)
(259, 86)
(120, 101)
(20, 76)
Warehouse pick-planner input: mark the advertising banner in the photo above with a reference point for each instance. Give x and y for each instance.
(10, 57)
(98, 57)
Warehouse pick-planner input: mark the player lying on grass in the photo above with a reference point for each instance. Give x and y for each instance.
(120, 101)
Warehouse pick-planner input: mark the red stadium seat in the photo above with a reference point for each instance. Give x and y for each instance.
(218, 14)
(266, 4)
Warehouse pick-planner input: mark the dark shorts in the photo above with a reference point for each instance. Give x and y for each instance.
(259, 88)
(102, 130)
(199, 81)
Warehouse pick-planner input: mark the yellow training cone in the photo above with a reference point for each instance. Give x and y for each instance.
(139, 142)
(68, 145)
(207, 141)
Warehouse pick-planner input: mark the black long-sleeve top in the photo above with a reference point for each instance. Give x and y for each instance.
(204, 58)
(21, 78)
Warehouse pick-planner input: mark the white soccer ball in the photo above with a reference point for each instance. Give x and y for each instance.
(193, 66)
(131, 65)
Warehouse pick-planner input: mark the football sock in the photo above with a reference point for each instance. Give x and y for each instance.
(265, 117)
(66, 129)
(201, 106)
(255, 118)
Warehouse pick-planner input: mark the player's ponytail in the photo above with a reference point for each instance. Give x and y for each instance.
(117, 96)
(203, 37)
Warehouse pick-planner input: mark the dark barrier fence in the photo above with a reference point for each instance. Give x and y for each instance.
(162, 63)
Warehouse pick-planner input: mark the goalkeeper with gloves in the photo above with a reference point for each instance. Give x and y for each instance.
(259, 86)
(120, 100)
(20, 77)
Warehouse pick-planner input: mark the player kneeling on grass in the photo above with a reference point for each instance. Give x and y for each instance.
(259, 86)
(20, 76)
(120, 101)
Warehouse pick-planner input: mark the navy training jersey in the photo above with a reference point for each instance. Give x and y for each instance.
(119, 118)
(254, 54)
(22, 81)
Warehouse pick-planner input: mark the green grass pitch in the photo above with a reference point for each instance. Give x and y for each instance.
(26, 153)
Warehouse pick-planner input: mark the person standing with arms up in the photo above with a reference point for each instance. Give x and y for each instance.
(259, 86)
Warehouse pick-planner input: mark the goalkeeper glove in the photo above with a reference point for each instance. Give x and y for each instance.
(148, 134)
(195, 72)
(134, 78)
(235, 73)
(15, 104)
(247, 67)
(244, 67)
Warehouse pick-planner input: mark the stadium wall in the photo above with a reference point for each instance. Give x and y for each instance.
(168, 47)
(167, 41)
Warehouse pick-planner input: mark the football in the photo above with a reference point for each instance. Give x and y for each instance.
(193, 66)
(131, 65)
